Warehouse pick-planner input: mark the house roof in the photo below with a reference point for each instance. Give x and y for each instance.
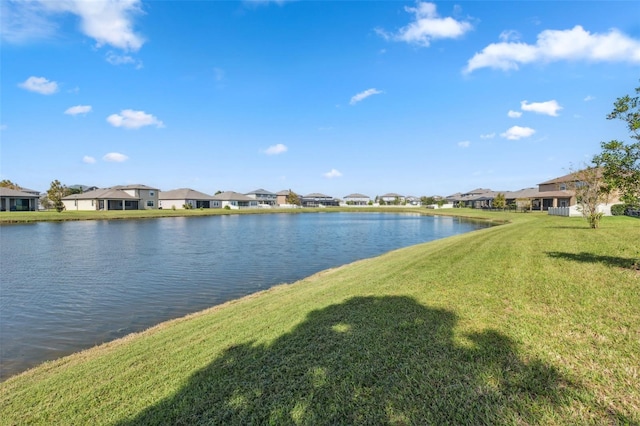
(260, 191)
(284, 192)
(232, 196)
(317, 195)
(356, 195)
(102, 194)
(522, 193)
(8, 192)
(183, 194)
(135, 186)
(571, 177)
(478, 191)
(392, 194)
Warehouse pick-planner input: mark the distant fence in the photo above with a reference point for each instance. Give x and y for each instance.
(574, 211)
(560, 211)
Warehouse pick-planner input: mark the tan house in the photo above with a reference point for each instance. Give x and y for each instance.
(147, 195)
(179, 198)
(101, 199)
(558, 197)
(129, 197)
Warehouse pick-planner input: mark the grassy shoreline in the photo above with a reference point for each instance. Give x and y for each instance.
(532, 322)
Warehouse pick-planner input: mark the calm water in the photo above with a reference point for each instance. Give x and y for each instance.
(69, 286)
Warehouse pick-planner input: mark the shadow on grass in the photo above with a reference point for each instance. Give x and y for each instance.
(620, 262)
(370, 360)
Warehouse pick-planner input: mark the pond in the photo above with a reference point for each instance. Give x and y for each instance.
(72, 285)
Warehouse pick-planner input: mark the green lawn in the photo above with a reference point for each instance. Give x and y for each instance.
(533, 322)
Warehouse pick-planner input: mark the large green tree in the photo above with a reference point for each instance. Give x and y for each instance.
(56, 193)
(293, 198)
(621, 161)
(499, 202)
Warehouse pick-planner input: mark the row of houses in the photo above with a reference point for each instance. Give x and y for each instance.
(554, 195)
(140, 197)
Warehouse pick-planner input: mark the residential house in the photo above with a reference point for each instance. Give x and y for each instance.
(392, 198)
(233, 200)
(281, 196)
(524, 199)
(18, 200)
(147, 195)
(476, 198)
(264, 197)
(412, 200)
(179, 198)
(102, 199)
(357, 199)
(318, 200)
(558, 197)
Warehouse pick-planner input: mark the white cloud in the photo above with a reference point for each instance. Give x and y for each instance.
(427, 26)
(517, 132)
(514, 114)
(78, 109)
(108, 22)
(509, 35)
(115, 59)
(131, 119)
(558, 45)
(363, 95)
(90, 160)
(464, 144)
(589, 98)
(40, 85)
(332, 174)
(276, 149)
(488, 136)
(547, 108)
(115, 157)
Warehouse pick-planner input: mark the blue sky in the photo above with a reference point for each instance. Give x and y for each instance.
(335, 97)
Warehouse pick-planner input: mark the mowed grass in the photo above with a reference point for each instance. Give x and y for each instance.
(532, 322)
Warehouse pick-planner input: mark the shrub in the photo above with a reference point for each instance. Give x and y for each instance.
(618, 209)
(227, 207)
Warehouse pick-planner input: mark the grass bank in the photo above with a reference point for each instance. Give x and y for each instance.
(533, 322)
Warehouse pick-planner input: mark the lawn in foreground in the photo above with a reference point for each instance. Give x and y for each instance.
(536, 321)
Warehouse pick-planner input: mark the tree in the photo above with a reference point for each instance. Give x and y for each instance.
(427, 201)
(293, 198)
(499, 202)
(6, 183)
(524, 204)
(56, 193)
(591, 190)
(621, 161)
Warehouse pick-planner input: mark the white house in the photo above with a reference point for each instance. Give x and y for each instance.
(264, 197)
(357, 199)
(234, 200)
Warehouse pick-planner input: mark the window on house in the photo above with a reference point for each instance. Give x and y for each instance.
(151, 193)
(563, 187)
(150, 203)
